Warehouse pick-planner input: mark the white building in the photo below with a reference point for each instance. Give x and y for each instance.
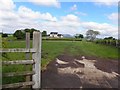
(60, 35)
(55, 35)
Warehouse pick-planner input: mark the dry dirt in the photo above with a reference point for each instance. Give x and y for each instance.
(70, 72)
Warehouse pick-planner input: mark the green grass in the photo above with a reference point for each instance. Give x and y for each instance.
(92, 49)
(62, 39)
(52, 49)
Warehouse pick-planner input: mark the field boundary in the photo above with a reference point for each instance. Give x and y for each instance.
(35, 62)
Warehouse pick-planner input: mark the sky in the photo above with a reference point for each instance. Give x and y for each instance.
(73, 17)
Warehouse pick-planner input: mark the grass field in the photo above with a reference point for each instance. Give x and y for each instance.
(52, 49)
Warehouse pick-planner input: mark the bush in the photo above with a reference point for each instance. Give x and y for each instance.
(4, 35)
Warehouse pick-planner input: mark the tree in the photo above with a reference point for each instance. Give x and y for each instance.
(19, 34)
(108, 38)
(91, 34)
(79, 36)
(30, 31)
(44, 33)
(4, 35)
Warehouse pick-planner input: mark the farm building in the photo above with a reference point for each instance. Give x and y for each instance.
(60, 35)
(55, 35)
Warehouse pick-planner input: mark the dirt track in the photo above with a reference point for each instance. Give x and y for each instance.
(70, 72)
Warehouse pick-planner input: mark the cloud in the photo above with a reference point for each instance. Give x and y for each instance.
(75, 11)
(70, 20)
(74, 7)
(80, 13)
(23, 17)
(71, 24)
(27, 13)
(104, 28)
(66, 24)
(106, 2)
(53, 3)
(113, 17)
(70, 17)
(6, 5)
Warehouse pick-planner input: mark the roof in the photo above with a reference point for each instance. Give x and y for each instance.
(48, 35)
(54, 33)
(60, 35)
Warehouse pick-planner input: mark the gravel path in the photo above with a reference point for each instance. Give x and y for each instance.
(69, 72)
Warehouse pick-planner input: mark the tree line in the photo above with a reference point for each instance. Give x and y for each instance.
(90, 34)
(108, 41)
(20, 34)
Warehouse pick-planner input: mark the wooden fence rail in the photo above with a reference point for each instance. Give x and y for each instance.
(18, 85)
(35, 62)
(115, 43)
(18, 50)
(18, 62)
(18, 74)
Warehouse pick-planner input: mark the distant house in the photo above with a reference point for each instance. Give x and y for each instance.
(55, 35)
(60, 35)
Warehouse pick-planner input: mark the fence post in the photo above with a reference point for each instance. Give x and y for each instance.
(116, 43)
(37, 58)
(110, 42)
(0, 62)
(27, 54)
(27, 44)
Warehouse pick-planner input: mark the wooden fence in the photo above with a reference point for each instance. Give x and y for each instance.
(35, 62)
(115, 43)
